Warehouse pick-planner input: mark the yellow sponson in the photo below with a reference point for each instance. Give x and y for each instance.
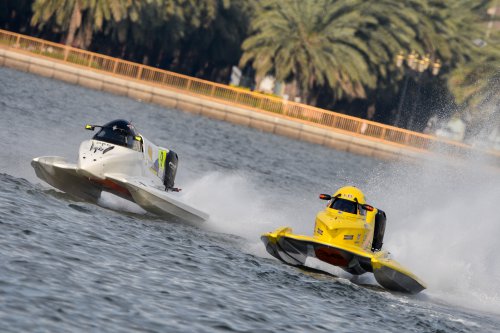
(350, 193)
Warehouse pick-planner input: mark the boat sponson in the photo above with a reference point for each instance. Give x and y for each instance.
(270, 240)
(62, 175)
(391, 275)
(158, 202)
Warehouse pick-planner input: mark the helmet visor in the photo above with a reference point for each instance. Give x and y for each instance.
(344, 205)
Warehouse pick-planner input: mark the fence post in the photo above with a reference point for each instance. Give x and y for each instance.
(286, 106)
(358, 128)
(139, 72)
(90, 60)
(66, 52)
(18, 42)
(188, 85)
(115, 66)
(335, 121)
(382, 136)
(212, 92)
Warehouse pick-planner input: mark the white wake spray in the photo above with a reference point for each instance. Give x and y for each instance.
(443, 222)
(238, 206)
(444, 225)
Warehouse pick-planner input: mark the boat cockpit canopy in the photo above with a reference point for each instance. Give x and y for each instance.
(119, 132)
(344, 205)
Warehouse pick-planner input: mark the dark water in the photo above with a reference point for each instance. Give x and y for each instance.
(74, 266)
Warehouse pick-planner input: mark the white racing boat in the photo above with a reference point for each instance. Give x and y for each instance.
(123, 162)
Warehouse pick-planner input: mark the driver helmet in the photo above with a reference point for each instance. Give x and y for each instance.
(348, 199)
(350, 193)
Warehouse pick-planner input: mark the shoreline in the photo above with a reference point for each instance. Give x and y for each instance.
(212, 108)
(273, 123)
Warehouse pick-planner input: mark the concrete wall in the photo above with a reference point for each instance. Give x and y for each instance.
(205, 106)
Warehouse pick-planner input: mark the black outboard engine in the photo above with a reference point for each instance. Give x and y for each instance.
(378, 233)
(171, 161)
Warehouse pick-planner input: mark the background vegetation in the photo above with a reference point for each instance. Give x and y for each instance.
(335, 54)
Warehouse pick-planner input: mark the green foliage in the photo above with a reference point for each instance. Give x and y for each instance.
(348, 46)
(312, 43)
(80, 18)
(195, 37)
(476, 83)
(328, 49)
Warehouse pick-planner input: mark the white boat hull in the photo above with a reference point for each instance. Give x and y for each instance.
(68, 178)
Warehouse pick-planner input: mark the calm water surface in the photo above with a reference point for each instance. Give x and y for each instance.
(74, 266)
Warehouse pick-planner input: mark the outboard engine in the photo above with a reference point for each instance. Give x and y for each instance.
(378, 233)
(169, 170)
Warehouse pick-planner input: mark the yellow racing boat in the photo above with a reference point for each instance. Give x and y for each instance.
(349, 234)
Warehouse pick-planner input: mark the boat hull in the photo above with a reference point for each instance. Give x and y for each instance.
(295, 249)
(79, 183)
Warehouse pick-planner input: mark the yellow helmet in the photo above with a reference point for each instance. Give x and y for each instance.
(350, 193)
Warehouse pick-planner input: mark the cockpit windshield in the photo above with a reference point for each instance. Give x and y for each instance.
(119, 132)
(344, 205)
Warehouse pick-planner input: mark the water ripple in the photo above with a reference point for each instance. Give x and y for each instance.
(72, 266)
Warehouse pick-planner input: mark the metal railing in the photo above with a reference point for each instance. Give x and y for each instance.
(231, 95)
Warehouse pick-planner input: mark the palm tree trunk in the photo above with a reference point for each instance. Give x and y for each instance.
(87, 32)
(75, 23)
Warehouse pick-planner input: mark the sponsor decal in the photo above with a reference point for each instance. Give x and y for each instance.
(100, 146)
(348, 237)
(319, 231)
(162, 156)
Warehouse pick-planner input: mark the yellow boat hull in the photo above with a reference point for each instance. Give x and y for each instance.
(294, 249)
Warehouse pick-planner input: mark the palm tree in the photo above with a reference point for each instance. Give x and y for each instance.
(349, 46)
(291, 40)
(448, 29)
(343, 45)
(78, 18)
(440, 30)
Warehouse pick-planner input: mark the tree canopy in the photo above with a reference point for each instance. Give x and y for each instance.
(331, 52)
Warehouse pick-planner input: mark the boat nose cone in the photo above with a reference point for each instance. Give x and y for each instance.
(89, 160)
